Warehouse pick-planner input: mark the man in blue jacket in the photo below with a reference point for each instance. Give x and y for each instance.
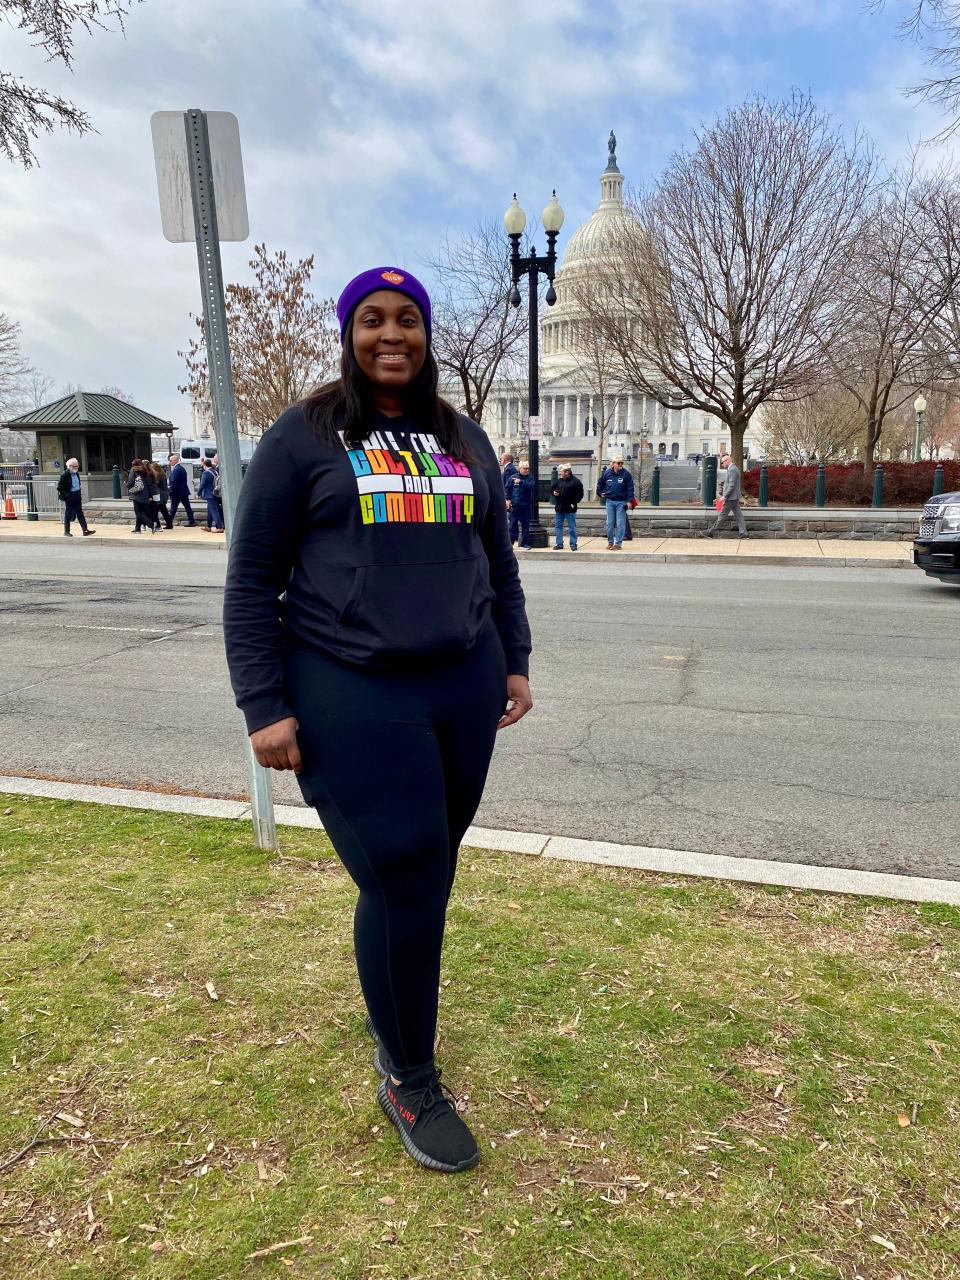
(179, 489)
(616, 490)
(207, 494)
(520, 500)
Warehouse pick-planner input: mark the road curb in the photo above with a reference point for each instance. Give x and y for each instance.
(105, 540)
(682, 557)
(590, 557)
(685, 862)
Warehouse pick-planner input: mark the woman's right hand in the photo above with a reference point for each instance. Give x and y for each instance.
(275, 745)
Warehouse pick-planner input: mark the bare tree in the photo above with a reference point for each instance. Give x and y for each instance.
(475, 330)
(941, 426)
(894, 293)
(934, 25)
(15, 369)
(940, 201)
(726, 276)
(118, 393)
(283, 340)
(26, 111)
(598, 360)
(821, 426)
(36, 390)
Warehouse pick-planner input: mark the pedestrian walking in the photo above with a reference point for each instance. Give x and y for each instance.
(140, 489)
(615, 489)
(208, 495)
(161, 495)
(399, 649)
(217, 487)
(71, 495)
(731, 500)
(507, 469)
(520, 496)
(179, 490)
(568, 493)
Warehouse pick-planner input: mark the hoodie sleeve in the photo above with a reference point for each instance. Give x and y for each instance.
(509, 608)
(260, 558)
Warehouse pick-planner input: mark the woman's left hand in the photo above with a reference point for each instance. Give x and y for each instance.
(519, 701)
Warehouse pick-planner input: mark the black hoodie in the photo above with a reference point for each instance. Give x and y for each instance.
(392, 554)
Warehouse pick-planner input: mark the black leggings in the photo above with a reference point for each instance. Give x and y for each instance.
(395, 764)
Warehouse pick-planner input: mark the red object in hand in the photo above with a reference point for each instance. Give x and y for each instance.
(718, 503)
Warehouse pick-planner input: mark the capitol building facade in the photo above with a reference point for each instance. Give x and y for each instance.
(638, 427)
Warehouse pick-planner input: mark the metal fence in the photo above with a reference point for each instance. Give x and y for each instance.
(25, 495)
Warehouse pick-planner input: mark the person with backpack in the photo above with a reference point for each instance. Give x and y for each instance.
(161, 495)
(567, 493)
(140, 490)
(207, 494)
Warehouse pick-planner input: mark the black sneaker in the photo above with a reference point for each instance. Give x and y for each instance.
(428, 1124)
(88, 533)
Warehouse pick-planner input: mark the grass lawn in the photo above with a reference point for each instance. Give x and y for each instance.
(667, 1078)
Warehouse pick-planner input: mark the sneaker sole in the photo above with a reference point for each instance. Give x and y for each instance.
(378, 1064)
(411, 1147)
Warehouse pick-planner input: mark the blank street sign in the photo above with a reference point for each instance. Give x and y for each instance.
(173, 175)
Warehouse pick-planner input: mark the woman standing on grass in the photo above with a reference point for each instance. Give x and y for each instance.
(400, 649)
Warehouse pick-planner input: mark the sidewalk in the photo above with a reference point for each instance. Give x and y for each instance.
(109, 535)
(835, 552)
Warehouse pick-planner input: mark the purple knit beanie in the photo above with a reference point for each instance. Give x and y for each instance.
(382, 278)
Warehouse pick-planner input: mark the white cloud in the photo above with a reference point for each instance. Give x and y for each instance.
(369, 127)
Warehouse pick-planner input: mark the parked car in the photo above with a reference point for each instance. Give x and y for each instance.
(936, 548)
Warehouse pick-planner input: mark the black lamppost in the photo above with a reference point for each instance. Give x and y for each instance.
(531, 266)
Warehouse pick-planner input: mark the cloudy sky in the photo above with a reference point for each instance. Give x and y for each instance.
(370, 128)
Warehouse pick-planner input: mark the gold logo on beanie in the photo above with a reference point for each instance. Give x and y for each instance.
(392, 277)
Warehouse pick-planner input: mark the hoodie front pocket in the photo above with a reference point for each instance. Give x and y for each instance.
(401, 610)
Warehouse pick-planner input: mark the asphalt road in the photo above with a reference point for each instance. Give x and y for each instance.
(799, 714)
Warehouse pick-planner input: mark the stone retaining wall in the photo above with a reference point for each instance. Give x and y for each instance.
(858, 524)
(771, 522)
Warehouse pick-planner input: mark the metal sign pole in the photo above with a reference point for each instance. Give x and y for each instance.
(221, 395)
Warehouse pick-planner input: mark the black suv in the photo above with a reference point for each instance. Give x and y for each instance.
(936, 549)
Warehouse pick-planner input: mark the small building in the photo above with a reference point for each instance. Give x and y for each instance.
(97, 429)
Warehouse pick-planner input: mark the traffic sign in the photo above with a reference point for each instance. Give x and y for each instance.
(173, 161)
(536, 427)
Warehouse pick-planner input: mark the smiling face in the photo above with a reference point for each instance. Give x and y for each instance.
(389, 342)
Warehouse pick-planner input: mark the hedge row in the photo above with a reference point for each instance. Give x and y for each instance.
(905, 484)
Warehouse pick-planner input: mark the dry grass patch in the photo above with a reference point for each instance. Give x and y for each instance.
(668, 1078)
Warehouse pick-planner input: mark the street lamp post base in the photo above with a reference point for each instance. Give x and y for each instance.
(538, 535)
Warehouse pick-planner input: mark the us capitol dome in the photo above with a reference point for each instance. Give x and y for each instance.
(637, 426)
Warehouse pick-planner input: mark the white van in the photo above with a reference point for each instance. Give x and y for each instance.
(192, 453)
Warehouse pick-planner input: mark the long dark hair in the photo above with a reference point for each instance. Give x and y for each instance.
(347, 405)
